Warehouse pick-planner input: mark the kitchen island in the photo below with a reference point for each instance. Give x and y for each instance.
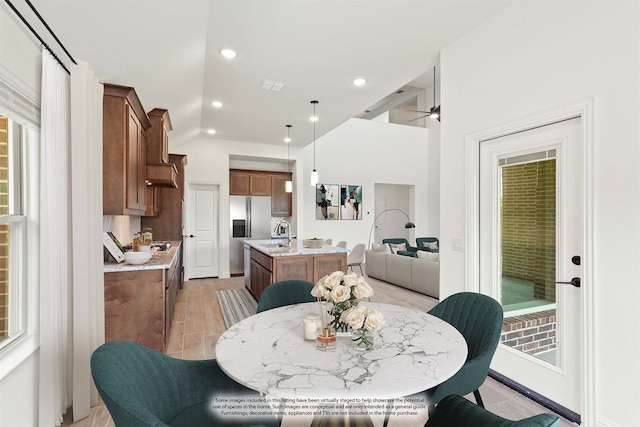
(275, 260)
(139, 300)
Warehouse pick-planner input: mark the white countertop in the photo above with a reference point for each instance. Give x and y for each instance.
(413, 351)
(280, 247)
(160, 260)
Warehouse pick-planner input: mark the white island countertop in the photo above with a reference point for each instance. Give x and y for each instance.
(280, 247)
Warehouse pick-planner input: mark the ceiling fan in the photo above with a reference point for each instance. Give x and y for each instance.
(434, 112)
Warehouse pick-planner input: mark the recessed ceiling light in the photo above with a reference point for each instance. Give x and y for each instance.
(216, 104)
(359, 82)
(211, 131)
(228, 53)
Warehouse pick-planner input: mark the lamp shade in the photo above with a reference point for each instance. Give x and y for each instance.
(288, 186)
(314, 177)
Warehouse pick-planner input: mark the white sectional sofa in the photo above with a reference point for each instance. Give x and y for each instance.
(420, 275)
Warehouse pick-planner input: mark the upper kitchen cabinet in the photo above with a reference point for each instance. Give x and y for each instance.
(249, 183)
(158, 136)
(160, 172)
(262, 183)
(281, 201)
(167, 223)
(124, 152)
(239, 183)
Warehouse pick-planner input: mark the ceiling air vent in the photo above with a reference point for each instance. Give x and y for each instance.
(273, 86)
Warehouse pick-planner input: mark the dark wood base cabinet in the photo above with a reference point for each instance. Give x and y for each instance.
(139, 305)
(266, 270)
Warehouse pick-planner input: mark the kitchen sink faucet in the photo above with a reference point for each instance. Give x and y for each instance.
(286, 224)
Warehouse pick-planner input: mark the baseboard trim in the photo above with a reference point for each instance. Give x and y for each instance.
(536, 397)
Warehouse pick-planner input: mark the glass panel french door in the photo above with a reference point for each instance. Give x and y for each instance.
(530, 238)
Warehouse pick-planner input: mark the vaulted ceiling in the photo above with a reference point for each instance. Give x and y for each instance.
(169, 50)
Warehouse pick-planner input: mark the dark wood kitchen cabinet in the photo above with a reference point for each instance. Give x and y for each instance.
(260, 273)
(262, 183)
(281, 201)
(249, 183)
(160, 172)
(154, 203)
(167, 224)
(158, 136)
(173, 282)
(124, 152)
(139, 304)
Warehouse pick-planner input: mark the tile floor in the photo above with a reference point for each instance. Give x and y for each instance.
(198, 324)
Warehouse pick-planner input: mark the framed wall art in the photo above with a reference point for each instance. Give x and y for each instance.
(327, 201)
(350, 202)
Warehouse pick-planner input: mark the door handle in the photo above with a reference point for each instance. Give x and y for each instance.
(191, 236)
(574, 282)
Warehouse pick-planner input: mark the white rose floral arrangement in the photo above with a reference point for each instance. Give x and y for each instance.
(338, 294)
(363, 320)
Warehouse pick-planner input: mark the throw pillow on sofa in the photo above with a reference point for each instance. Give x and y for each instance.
(431, 256)
(384, 248)
(430, 245)
(396, 247)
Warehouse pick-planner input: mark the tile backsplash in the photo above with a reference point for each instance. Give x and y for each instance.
(124, 227)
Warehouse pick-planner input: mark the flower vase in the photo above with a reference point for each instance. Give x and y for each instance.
(362, 339)
(340, 328)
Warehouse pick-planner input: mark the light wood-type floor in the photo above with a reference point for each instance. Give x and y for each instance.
(198, 324)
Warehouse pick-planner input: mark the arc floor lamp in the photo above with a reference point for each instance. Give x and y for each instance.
(409, 224)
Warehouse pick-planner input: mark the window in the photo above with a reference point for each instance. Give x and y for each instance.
(13, 225)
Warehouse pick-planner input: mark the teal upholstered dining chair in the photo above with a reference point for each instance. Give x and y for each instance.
(285, 292)
(142, 387)
(478, 318)
(456, 411)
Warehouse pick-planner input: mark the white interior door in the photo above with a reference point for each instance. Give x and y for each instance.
(202, 231)
(530, 236)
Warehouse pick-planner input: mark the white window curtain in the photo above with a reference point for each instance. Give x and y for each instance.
(55, 262)
(86, 214)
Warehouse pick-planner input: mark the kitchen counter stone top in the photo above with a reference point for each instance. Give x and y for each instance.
(280, 247)
(160, 260)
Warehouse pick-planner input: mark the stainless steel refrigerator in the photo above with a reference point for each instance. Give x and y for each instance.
(250, 219)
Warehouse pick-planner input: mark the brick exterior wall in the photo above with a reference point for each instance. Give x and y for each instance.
(530, 333)
(529, 225)
(4, 232)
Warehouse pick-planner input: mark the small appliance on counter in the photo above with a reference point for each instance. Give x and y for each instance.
(113, 250)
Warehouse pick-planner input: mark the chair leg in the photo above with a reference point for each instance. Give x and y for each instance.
(476, 394)
(360, 267)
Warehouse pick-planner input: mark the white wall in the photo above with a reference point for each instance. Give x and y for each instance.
(526, 59)
(391, 224)
(364, 152)
(19, 54)
(20, 57)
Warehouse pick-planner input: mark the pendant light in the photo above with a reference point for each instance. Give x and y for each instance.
(314, 119)
(288, 186)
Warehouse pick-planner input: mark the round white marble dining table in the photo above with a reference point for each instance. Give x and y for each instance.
(414, 351)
